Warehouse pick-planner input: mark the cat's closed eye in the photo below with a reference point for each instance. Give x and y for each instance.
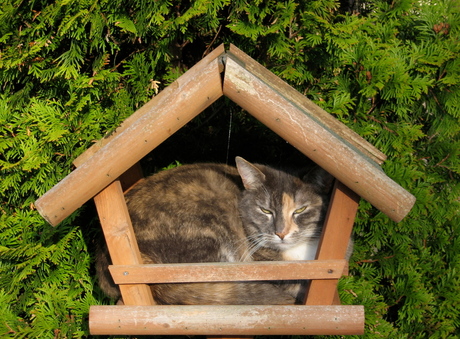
(266, 211)
(300, 210)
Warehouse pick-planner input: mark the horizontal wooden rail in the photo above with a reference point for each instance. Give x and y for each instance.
(228, 271)
(226, 320)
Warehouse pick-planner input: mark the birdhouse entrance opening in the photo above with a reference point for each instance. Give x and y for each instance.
(111, 166)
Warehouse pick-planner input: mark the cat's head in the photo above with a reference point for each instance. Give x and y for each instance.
(281, 210)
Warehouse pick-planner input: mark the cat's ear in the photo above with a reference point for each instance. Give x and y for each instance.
(252, 176)
(320, 178)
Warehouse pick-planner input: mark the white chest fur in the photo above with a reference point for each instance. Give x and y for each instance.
(306, 251)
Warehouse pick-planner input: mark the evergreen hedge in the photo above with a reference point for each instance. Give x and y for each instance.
(72, 70)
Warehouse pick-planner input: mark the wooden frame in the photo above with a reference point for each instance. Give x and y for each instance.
(109, 167)
(132, 278)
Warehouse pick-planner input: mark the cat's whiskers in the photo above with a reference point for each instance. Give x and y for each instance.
(243, 246)
(256, 242)
(251, 247)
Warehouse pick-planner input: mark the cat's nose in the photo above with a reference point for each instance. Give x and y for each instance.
(281, 235)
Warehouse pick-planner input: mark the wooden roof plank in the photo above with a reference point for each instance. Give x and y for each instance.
(275, 108)
(157, 101)
(155, 122)
(307, 127)
(316, 112)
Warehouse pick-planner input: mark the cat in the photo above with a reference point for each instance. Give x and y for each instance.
(219, 213)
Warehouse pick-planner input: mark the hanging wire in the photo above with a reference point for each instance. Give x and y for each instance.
(229, 135)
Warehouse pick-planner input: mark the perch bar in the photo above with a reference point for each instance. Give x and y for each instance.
(228, 271)
(223, 320)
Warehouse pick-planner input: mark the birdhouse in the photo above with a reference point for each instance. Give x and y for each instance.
(110, 166)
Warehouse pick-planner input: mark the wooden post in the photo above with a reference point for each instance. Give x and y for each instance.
(334, 242)
(121, 241)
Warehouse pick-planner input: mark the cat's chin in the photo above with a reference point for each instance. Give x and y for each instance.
(284, 244)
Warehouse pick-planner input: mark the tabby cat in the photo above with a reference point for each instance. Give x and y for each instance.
(218, 213)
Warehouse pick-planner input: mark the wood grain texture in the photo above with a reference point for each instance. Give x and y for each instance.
(303, 126)
(280, 107)
(159, 100)
(298, 99)
(336, 234)
(226, 320)
(120, 239)
(228, 271)
(150, 126)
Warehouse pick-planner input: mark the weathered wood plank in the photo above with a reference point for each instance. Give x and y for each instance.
(121, 241)
(307, 105)
(159, 100)
(336, 234)
(150, 126)
(228, 271)
(225, 320)
(310, 129)
(278, 110)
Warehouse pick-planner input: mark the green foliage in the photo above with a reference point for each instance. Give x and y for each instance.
(72, 70)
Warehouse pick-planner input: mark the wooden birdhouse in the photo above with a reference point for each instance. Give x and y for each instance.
(110, 166)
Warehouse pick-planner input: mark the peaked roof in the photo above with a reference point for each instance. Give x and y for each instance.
(232, 73)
